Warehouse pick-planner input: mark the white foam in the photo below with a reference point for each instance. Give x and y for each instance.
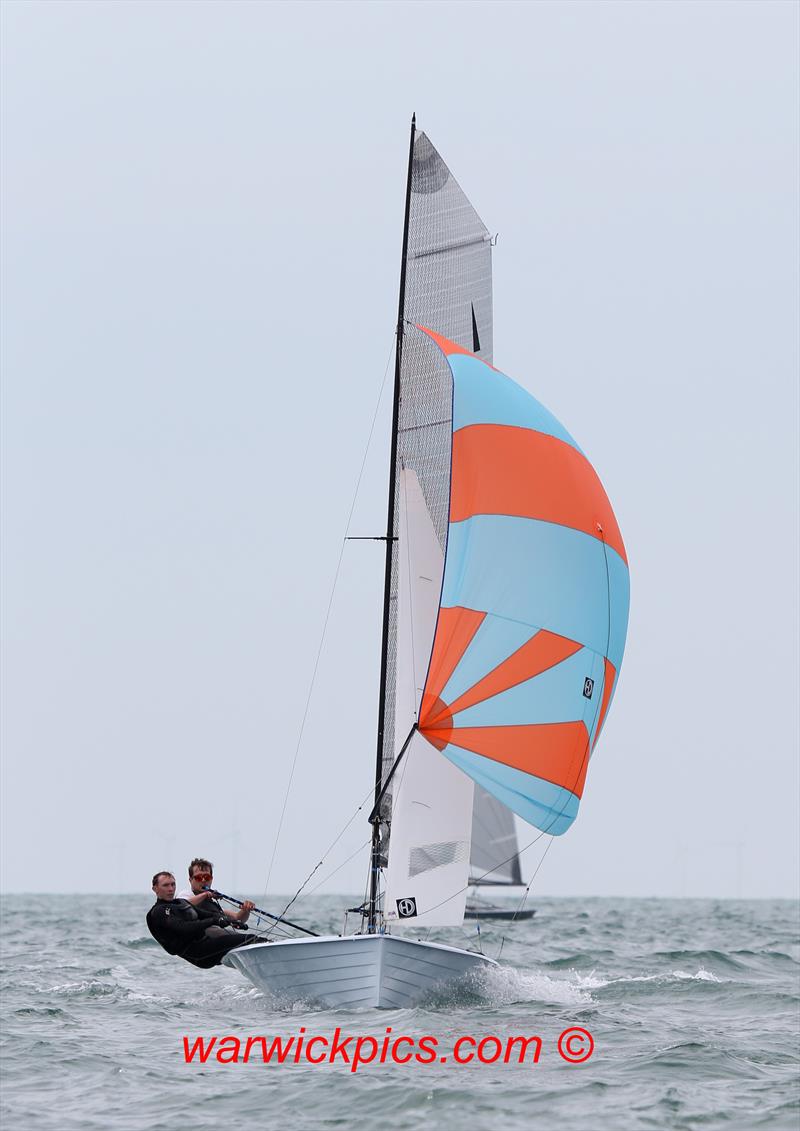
(151, 999)
(592, 982)
(503, 985)
(702, 975)
(90, 985)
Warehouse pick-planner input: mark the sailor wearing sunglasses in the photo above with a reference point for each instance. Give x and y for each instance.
(201, 894)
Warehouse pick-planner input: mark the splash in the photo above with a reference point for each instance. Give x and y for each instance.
(504, 985)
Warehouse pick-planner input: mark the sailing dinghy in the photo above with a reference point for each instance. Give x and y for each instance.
(494, 860)
(504, 620)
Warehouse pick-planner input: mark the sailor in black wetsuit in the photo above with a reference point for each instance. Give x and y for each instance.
(203, 937)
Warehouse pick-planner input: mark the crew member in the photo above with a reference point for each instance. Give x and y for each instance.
(201, 936)
(201, 877)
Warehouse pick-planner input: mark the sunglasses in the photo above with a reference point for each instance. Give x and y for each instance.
(204, 876)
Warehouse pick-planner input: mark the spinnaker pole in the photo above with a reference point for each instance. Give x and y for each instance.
(387, 583)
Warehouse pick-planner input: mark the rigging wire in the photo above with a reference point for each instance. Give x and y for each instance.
(325, 879)
(525, 893)
(327, 852)
(265, 932)
(327, 617)
(365, 898)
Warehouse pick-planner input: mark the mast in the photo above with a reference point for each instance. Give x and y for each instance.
(390, 524)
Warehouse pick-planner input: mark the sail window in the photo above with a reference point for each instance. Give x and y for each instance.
(426, 857)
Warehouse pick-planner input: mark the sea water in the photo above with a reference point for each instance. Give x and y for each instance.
(692, 1006)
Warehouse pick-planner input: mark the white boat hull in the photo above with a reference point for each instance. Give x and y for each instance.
(361, 971)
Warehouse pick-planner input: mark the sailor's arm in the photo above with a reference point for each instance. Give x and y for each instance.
(199, 899)
(240, 916)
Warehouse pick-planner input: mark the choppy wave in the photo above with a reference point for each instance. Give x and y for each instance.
(692, 1006)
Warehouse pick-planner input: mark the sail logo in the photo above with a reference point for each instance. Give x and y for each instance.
(588, 687)
(406, 908)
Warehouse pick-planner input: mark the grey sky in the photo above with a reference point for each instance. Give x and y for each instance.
(201, 233)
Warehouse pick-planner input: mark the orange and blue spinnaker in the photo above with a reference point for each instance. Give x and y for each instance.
(534, 608)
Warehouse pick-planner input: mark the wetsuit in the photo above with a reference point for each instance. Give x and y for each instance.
(211, 904)
(200, 936)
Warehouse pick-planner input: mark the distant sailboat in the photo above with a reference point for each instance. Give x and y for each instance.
(494, 859)
(504, 620)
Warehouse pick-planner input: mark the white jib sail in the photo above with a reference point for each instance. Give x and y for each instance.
(432, 800)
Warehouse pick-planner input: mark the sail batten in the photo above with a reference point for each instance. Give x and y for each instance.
(455, 246)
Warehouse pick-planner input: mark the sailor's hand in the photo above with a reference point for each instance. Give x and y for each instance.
(203, 895)
(247, 906)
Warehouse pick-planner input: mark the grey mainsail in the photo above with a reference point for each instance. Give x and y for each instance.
(448, 288)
